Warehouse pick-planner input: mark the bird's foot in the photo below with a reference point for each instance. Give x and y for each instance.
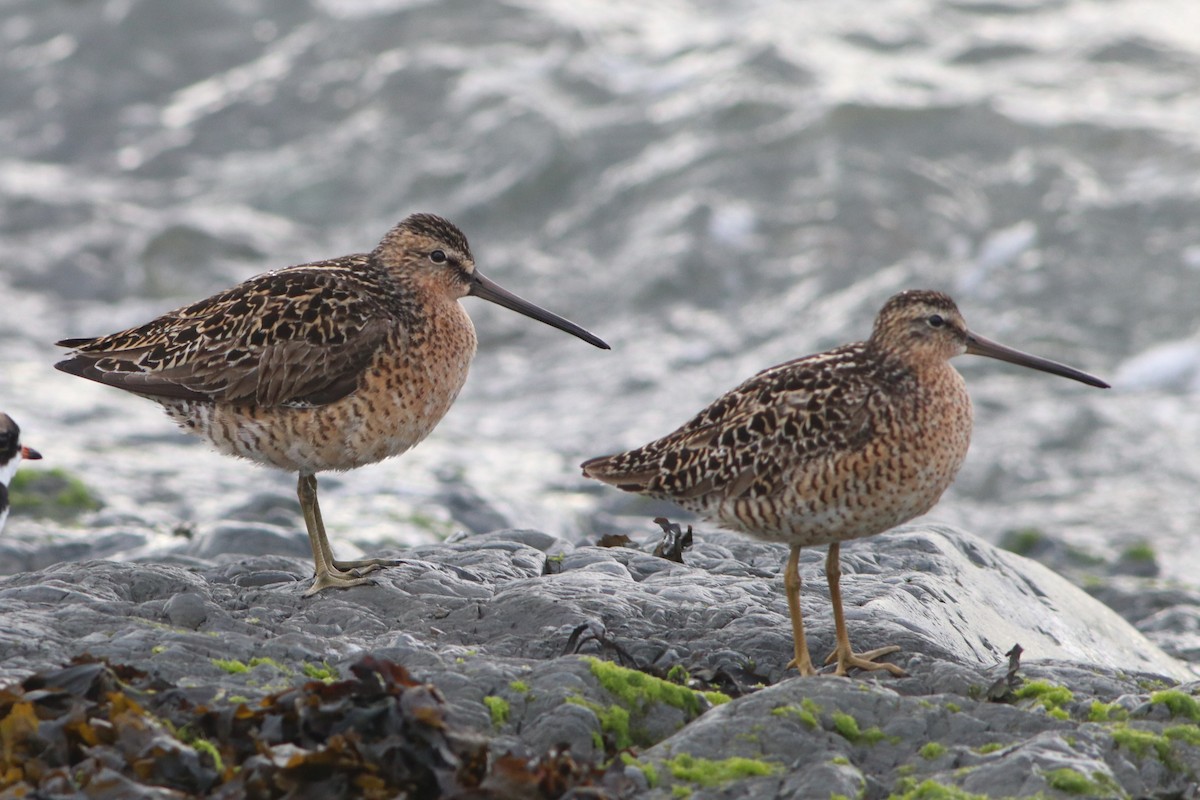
(336, 579)
(847, 659)
(803, 665)
(364, 566)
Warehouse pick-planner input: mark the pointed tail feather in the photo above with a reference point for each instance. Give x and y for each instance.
(610, 470)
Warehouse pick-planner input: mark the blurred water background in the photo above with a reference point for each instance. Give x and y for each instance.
(714, 187)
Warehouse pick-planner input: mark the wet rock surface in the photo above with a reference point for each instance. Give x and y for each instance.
(547, 661)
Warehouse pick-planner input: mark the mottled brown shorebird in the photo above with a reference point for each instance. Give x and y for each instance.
(830, 447)
(322, 366)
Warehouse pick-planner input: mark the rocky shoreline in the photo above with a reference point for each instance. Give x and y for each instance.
(515, 664)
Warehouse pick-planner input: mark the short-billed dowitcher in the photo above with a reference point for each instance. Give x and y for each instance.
(322, 366)
(830, 447)
(12, 452)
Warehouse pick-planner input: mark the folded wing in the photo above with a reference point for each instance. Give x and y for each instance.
(786, 418)
(297, 337)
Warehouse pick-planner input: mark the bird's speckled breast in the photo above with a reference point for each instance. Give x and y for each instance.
(408, 387)
(918, 443)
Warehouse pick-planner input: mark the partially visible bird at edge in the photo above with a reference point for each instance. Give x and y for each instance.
(830, 447)
(323, 366)
(12, 453)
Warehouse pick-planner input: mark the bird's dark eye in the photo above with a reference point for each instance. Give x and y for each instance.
(438, 257)
(936, 321)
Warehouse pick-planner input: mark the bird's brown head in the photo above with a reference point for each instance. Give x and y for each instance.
(431, 253)
(923, 327)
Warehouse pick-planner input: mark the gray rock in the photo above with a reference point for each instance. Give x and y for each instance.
(186, 611)
(255, 539)
(17, 555)
(522, 653)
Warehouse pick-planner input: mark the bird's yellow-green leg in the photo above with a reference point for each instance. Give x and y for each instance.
(359, 567)
(329, 574)
(356, 568)
(364, 565)
(842, 654)
(791, 584)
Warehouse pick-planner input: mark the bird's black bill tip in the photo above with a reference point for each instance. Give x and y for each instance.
(981, 346)
(486, 289)
(29, 454)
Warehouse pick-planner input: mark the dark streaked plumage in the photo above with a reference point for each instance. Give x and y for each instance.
(830, 447)
(297, 337)
(12, 453)
(324, 366)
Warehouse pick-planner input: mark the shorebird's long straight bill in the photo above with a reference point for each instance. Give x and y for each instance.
(486, 289)
(981, 346)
